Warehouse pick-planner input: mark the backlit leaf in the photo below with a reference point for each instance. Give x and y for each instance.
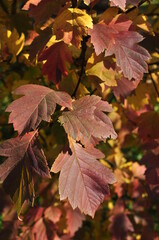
(57, 55)
(86, 122)
(37, 104)
(117, 38)
(24, 158)
(83, 180)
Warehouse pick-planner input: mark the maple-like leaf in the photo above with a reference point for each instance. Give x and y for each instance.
(86, 122)
(38, 104)
(117, 38)
(83, 180)
(24, 156)
(11, 42)
(107, 75)
(57, 55)
(71, 25)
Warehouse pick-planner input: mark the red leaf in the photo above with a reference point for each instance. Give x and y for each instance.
(117, 38)
(83, 180)
(57, 55)
(24, 156)
(38, 104)
(87, 122)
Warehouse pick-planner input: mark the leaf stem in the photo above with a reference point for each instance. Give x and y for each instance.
(154, 84)
(82, 56)
(133, 8)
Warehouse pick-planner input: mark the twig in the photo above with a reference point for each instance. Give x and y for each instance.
(93, 91)
(82, 56)
(133, 8)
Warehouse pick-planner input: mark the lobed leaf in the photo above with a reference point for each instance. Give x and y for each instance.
(86, 122)
(117, 38)
(83, 180)
(24, 156)
(57, 55)
(37, 104)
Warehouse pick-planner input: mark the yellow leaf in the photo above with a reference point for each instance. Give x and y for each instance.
(100, 71)
(109, 14)
(71, 24)
(145, 92)
(141, 21)
(12, 41)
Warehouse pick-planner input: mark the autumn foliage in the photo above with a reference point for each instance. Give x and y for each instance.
(79, 126)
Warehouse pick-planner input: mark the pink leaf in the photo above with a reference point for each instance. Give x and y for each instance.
(87, 122)
(117, 38)
(83, 180)
(38, 104)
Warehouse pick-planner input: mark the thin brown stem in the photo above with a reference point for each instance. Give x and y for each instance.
(154, 84)
(82, 56)
(133, 8)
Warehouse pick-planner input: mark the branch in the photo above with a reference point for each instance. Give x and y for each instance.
(133, 8)
(82, 56)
